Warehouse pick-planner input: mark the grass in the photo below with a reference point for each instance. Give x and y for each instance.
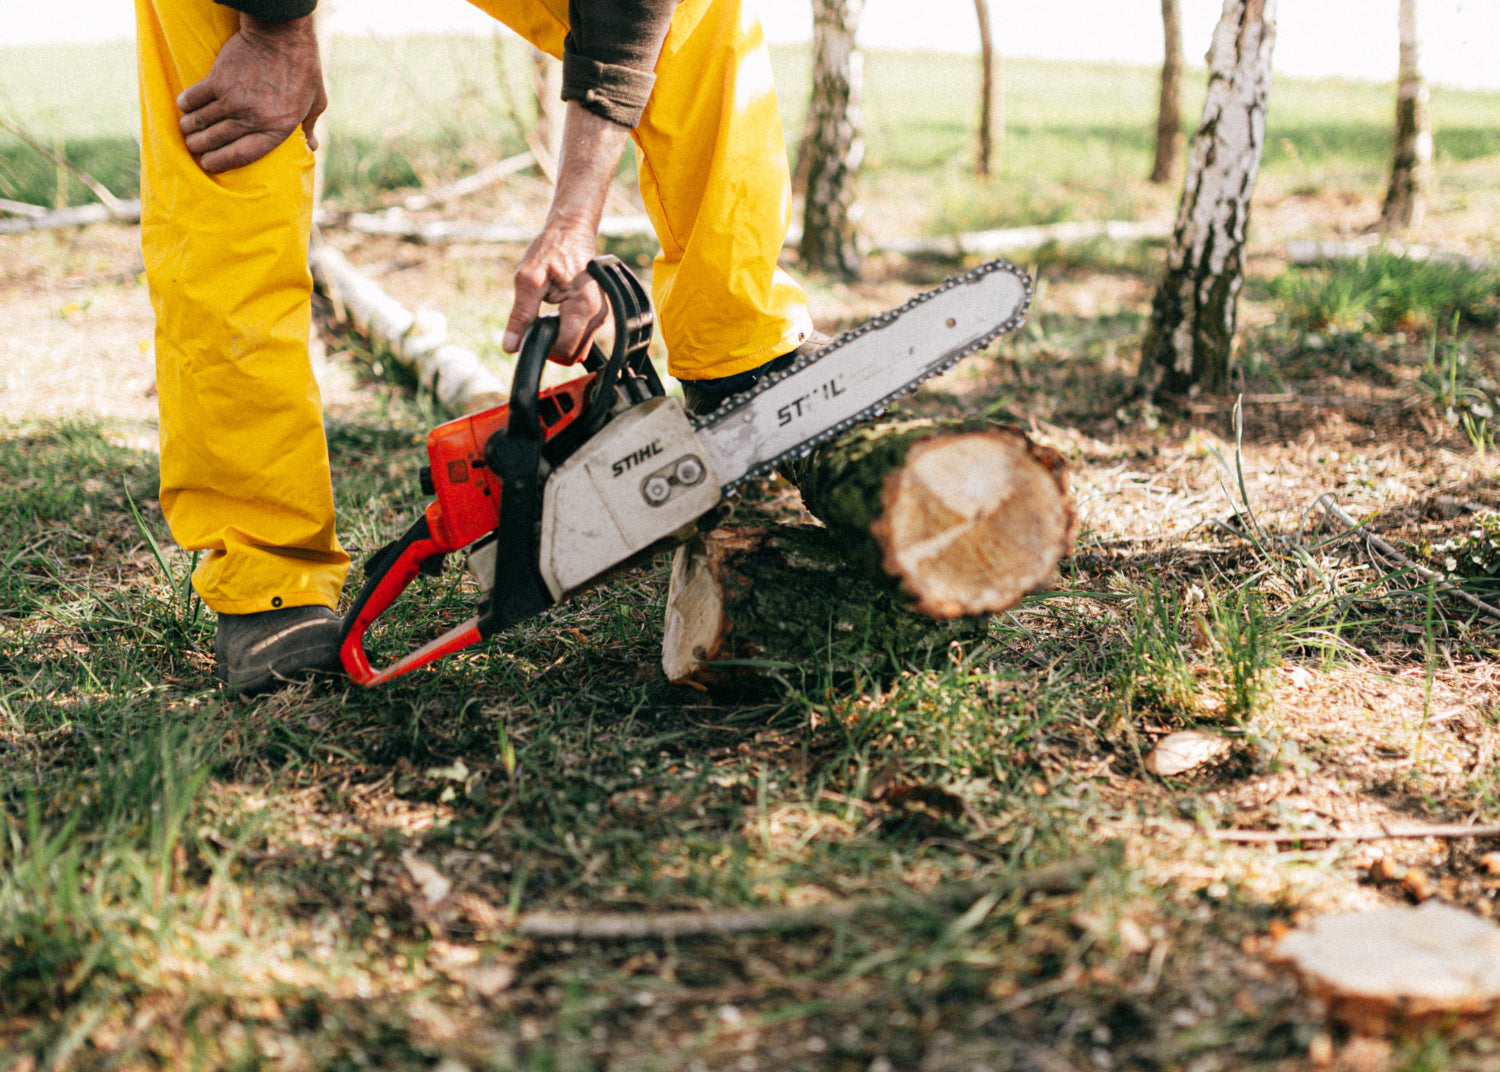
(329, 875)
(433, 107)
(1383, 293)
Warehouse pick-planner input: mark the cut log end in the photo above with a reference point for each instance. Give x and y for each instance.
(972, 522)
(696, 626)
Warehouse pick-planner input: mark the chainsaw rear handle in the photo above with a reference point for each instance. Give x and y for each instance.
(513, 453)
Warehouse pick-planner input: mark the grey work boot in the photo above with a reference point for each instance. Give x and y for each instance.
(704, 396)
(260, 652)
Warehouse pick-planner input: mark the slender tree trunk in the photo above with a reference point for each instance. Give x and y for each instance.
(1169, 109)
(1411, 163)
(1191, 335)
(546, 84)
(832, 149)
(991, 101)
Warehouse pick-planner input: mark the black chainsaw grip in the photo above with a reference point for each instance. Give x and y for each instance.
(525, 422)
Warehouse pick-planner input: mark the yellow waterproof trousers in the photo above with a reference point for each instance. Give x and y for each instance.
(244, 463)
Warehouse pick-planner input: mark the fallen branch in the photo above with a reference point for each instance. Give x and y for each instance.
(1067, 876)
(117, 208)
(393, 222)
(1375, 543)
(994, 243)
(1404, 832)
(1320, 252)
(76, 216)
(22, 208)
(455, 375)
(976, 244)
(470, 184)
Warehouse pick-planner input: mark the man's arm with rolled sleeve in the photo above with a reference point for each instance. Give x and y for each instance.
(609, 57)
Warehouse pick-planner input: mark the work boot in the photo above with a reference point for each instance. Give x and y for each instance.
(260, 652)
(704, 396)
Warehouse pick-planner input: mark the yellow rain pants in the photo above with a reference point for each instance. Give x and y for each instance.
(244, 462)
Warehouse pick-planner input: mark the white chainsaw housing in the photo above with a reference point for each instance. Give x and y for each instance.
(641, 478)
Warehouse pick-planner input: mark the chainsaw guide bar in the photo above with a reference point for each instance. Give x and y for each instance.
(856, 376)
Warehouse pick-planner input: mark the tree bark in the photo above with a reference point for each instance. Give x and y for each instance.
(546, 87)
(832, 148)
(991, 101)
(1411, 162)
(926, 522)
(1190, 339)
(1169, 106)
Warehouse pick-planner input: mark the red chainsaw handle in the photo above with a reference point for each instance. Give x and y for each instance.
(398, 566)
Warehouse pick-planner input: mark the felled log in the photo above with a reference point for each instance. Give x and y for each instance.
(75, 216)
(968, 517)
(929, 525)
(454, 374)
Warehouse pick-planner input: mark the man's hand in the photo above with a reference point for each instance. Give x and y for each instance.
(266, 82)
(554, 268)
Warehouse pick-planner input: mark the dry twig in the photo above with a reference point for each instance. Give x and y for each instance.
(1436, 830)
(1376, 544)
(1066, 876)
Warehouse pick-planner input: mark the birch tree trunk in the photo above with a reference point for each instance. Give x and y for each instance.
(832, 149)
(1169, 107)
(1191, 335)
(546, 85)
(991, 101)
(1411, 162)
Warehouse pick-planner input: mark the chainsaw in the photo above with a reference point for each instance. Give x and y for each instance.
(558, 488)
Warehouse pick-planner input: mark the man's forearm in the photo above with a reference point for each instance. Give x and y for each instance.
(591, 152)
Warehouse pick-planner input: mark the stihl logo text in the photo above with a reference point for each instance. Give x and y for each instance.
(798, 406)
(634, 458)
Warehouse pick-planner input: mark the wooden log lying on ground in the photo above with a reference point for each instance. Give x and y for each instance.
(76, 216)
(967, 516)
(747, 604)
(1309, 252)
(964, 517)
(394, 223)
(455, 375)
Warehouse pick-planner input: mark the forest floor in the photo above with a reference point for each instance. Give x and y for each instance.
(328, 878)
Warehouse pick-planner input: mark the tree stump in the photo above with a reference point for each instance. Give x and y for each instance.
(927, 523)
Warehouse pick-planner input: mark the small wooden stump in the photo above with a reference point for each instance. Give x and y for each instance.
(1402, 971)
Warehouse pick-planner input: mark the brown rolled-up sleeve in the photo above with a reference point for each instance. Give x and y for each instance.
(275, 10)
(609, 55)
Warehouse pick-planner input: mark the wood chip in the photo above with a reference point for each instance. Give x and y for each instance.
(1180, 752)
(1401, 970)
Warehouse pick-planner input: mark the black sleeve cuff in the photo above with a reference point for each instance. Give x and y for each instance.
(616, 93)
(272, 10)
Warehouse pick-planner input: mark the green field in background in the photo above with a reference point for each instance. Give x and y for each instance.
(408, 109)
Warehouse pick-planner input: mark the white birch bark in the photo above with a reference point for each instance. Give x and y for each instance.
(1411, 162)
(1191, 335)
